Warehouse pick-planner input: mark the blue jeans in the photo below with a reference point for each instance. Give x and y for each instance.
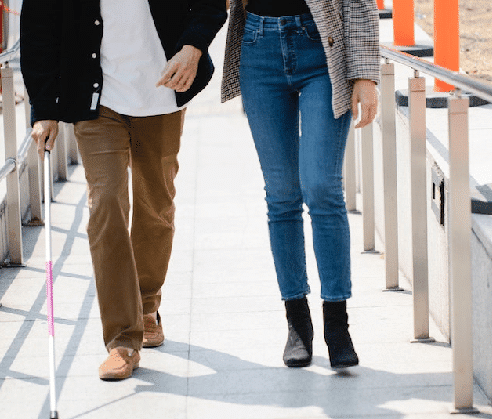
(287, 96)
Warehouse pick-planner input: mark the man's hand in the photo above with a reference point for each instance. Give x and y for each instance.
(180, 70)
(365, 94)
(43, 130)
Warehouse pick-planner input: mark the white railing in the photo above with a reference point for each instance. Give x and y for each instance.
(20, 159)
(459, 239)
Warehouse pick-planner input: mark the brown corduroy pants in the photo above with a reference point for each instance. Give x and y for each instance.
(130, 266)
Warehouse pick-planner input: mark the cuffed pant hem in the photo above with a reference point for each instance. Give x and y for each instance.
(334, 299)
(296, 297)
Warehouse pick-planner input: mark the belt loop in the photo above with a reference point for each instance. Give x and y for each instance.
(262, 23)
(298, 21)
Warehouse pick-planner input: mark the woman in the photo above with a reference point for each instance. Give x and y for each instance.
(302, 67)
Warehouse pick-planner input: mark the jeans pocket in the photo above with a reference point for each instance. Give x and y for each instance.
(250, 36)
(311, 31)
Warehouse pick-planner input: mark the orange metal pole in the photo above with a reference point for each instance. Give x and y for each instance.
(446, 39)
(404, 22)
(380, 4)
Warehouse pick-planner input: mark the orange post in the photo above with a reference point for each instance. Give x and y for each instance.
(380, 4)
(404, 23)
(446, 39)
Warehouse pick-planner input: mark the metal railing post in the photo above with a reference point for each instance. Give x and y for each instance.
(350, 176)
(33, 172)
(73, 152)
(34, 185)
(368, 215)
(460, 253)
(61, 153)
(390, 175)
(13, 194)
(27, 109)
(418, 182)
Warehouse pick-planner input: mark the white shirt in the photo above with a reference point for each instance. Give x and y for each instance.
(132, 59)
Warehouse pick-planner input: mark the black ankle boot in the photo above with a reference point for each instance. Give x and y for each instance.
(298, 350)
(337, 337)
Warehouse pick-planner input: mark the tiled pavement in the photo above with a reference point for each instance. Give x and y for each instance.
(224, 322)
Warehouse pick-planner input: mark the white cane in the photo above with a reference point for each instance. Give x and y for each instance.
(49, 283)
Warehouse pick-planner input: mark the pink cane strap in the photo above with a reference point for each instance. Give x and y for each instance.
(49, 297)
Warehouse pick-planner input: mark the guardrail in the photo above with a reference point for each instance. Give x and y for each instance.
(11, 174)
(459, 226)
(459, 209)
(25, 157)
(458, 80)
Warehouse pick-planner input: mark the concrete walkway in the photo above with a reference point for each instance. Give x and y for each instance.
(224, 322)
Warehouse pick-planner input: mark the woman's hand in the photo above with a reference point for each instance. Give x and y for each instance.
(180, 70)
(42, 131)
(364, 93)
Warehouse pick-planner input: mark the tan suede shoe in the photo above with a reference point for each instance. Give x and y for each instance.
(119, 364)
(153, 333)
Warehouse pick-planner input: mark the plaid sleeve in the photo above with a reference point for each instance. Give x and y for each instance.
(230, 80)
(361, 33)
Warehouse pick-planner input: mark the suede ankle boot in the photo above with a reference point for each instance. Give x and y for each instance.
(340, 347)
(298, 350)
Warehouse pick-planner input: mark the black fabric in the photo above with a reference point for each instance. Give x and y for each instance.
(60, 47)
(277, 8)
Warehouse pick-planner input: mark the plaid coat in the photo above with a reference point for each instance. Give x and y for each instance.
(349, 32)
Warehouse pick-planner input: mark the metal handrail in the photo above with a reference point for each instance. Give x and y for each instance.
(7, 168)
(23, 156)
(11, 163)
(10, 53)
(460, 81)
(24, 148)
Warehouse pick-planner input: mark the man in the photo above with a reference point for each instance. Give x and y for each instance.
(122, 71)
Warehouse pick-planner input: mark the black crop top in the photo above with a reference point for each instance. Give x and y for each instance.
(277, 7)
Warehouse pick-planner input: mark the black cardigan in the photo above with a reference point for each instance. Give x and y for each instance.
(60, 50)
